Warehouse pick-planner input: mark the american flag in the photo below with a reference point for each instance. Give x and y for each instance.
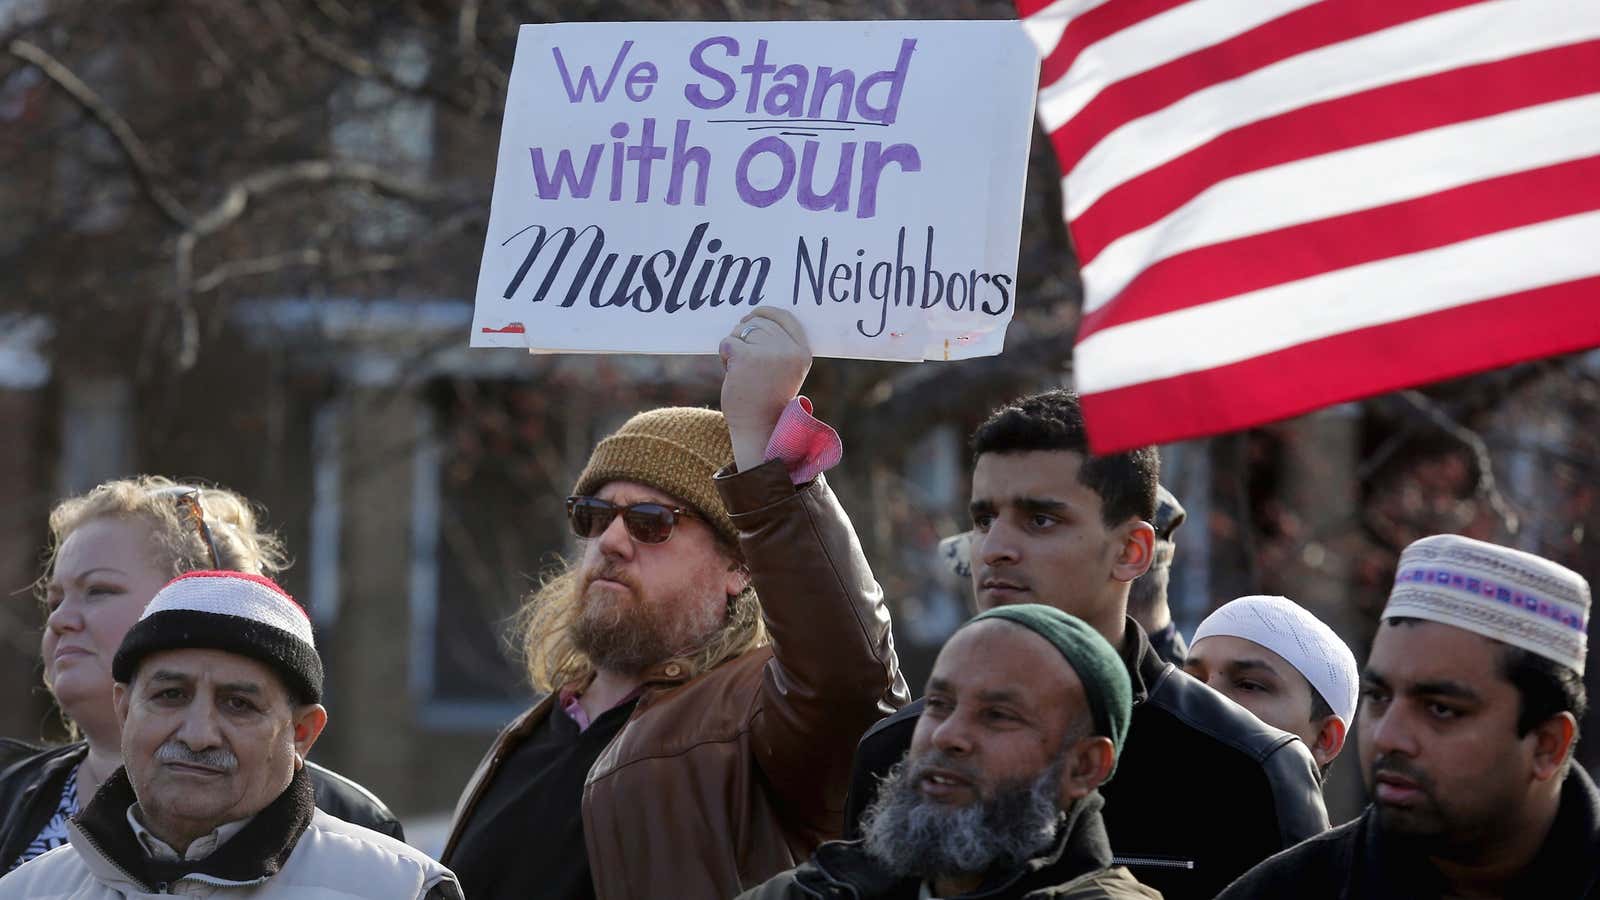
(1280, 204)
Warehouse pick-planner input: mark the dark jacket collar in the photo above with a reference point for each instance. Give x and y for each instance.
(1565, 866)
(1081, 847)
(257, 852)
(31, 781)
(1146, 668)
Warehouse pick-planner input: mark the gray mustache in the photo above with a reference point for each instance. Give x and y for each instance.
(219, 758)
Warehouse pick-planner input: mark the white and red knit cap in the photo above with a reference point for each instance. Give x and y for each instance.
(232, 611)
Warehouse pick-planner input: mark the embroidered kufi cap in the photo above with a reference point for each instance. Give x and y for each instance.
(1503, 594)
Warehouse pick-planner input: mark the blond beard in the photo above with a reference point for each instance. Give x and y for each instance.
(624, 634)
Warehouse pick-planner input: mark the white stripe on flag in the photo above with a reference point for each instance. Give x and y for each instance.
(1463, 37)
(1155, 41)
(1388, 290)
(1045, 26)
(1346, 181)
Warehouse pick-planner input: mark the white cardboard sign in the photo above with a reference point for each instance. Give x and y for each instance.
(657, 181)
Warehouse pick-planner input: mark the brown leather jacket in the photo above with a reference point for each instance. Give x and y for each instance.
(717, 783)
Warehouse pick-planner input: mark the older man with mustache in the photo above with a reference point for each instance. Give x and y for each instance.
(217, 690)
(1470, 705)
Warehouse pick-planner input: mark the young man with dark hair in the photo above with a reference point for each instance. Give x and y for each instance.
(1058, 526)
(1147, 597)
(1470, 705)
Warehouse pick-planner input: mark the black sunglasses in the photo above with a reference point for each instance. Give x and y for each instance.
(647, 523)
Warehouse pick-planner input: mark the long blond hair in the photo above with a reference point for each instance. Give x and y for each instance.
(542, 632)
(176, 545)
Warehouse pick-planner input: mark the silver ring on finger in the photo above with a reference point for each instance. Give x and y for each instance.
(745, 332)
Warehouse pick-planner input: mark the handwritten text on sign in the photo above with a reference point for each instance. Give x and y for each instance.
(656, 181)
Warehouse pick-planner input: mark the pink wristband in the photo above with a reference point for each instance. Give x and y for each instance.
(806, 445)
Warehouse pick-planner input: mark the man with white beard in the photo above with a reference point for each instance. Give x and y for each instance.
(1026, 711)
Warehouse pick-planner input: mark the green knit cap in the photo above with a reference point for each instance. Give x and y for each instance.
(676, 450)
(1105, 678)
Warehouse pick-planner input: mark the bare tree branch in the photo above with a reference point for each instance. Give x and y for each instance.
(263, 265)
(335, 12)
(467, 27)
(188, 319)
(237, 196)
(236, 199)
(46, 17)
(368, 265)
(1389, 448)
(337, 268)
(1487, 487)
(208, 43)
(133, 149)
(354, 63)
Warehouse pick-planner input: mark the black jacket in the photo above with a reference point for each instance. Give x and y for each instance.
(1350, 862)
(1077, 865)
(31, 779)
(1190, 754)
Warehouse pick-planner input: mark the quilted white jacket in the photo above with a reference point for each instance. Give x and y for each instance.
(332, 859)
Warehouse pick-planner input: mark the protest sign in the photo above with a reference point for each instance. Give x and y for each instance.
(658, 181)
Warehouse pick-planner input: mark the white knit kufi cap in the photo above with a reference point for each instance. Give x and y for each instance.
(1303, 640)
(1506, 595)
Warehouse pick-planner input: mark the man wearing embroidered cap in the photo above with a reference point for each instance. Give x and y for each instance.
(1470, 704)
(694, 740)
(997, 797)
(1274, 658)
(217, 690)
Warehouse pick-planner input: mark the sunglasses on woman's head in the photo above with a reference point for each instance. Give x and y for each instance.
(188, 501)
(647, 523)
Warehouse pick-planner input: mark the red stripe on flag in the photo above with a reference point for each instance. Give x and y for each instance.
(1459, 95)
(1096, 25)
(1026, 8)
(1548, 321)
(1298, 32)
(1207, 274)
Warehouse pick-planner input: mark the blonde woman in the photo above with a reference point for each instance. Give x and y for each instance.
(110, 550)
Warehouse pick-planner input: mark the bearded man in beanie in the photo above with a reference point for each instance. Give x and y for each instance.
(710, 660)
(1057, 525)
(216, 690)
(1470, 705)
(1027, 708)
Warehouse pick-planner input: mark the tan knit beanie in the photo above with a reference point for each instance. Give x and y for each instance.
(675, 450)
